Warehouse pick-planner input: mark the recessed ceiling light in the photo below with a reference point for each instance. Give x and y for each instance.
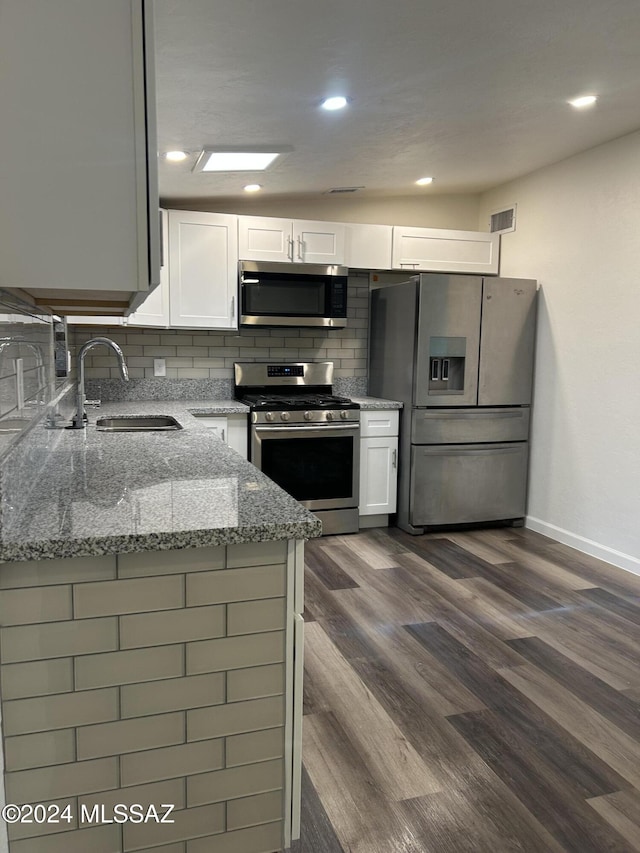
(336, 103)
(252, 188)
(236, 159)
(176, 156)
(422, 182)
(584, 101)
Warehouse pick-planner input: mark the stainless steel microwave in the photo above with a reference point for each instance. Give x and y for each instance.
(293, 295)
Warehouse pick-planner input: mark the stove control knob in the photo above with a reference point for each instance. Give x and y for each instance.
(329, 416)
(270, 416)
(284, 416)
(307, 416)
(344, 414)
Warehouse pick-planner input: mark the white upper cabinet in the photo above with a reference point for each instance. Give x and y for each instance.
(154, 311)
(265, 238)
(78, 155)
(368, 247)
(203, 270)
(441, 250)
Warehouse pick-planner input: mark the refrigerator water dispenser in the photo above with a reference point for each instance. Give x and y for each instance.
(446, 365)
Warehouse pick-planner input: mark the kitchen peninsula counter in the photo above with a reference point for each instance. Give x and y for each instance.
(88, 493)
(151, 591)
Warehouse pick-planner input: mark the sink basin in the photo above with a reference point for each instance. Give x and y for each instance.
(137, 423)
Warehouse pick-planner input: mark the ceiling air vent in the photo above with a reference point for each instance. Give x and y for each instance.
(343, 190)
(503, 221)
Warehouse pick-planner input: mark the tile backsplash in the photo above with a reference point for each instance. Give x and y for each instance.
(200, 354)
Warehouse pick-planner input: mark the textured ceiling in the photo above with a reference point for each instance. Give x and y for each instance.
(473, 93)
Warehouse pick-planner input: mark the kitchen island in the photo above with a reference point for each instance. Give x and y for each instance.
(150, 600)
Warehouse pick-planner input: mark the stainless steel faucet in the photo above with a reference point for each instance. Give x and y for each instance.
(79, 419)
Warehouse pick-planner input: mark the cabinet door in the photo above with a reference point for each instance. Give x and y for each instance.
(232, 429)
(440, 250)
(378, 475)
(154, 310)
(78, 119)
(264, 238)
(203, 270)
(217, 424)
(318, 242)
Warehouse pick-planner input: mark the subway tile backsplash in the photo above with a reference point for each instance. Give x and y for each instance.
(203, 360)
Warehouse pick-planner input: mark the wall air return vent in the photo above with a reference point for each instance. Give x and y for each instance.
(503, 221)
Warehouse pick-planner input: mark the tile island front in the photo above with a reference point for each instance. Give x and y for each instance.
(150, 642)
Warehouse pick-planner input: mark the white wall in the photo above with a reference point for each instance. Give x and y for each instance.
(578, 233)
(428, 210)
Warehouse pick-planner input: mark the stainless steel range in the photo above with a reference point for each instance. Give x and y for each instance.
(305, 438)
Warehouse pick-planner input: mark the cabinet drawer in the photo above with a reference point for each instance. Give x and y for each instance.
(379, 422)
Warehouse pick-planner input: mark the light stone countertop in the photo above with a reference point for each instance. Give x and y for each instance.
(372, 403)
(88, 493)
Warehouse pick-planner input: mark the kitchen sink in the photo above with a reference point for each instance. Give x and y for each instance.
(137, 423)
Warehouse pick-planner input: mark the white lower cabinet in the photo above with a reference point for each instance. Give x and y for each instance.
(378, 462)
(231, 429)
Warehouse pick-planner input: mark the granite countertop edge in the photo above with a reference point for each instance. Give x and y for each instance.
(176, 541)
(373, 403)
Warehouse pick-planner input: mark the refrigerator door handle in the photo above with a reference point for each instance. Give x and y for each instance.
(470, 416)
(454, 450)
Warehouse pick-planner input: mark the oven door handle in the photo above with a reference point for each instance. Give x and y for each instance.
(319, 429)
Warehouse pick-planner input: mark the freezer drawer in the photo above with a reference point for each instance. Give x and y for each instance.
(457, 426)
(459, 484)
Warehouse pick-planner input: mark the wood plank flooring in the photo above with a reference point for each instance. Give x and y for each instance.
(469, 692)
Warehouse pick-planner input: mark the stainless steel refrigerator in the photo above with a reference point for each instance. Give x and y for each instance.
(458, 351)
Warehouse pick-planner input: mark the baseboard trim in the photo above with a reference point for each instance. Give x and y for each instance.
(367, 521)
(587, 546)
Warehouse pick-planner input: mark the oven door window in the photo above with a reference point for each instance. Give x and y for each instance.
(285, 296)
(311, 469)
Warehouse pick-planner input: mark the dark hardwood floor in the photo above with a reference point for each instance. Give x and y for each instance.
(469, 692)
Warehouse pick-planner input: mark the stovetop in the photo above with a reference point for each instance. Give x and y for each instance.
(296, 402)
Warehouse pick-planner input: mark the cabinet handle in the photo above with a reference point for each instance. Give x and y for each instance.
(290, 248)
(394, 459)
(233, 308)
(224, 440)
(301, 249)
